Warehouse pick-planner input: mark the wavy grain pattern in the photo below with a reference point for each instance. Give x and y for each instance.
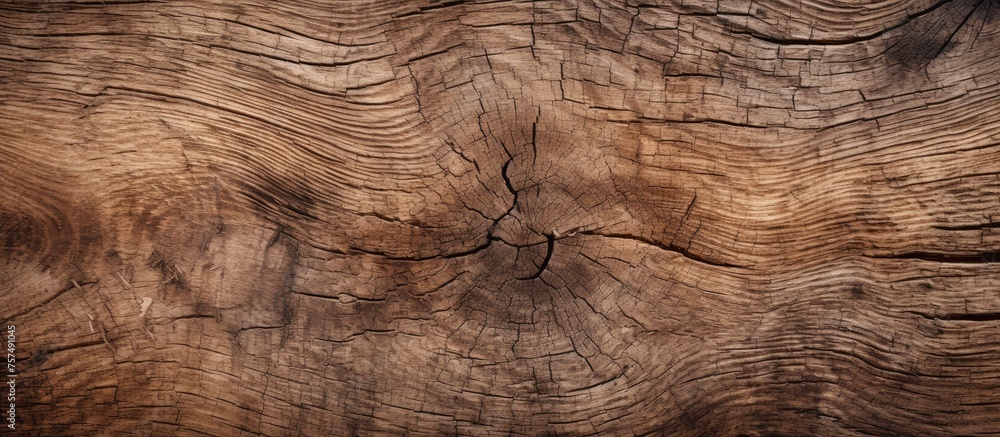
(502, 217)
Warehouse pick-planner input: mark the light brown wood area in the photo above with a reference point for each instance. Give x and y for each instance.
(381, 217)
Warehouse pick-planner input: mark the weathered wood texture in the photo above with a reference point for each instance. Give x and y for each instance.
(502, 218)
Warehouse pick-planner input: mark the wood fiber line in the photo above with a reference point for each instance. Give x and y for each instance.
(502, 217)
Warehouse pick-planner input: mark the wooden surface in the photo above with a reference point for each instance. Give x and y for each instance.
(502, 218)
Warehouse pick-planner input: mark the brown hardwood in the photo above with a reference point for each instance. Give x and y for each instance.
(381, 217)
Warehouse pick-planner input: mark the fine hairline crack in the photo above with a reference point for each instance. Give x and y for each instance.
(685, 252)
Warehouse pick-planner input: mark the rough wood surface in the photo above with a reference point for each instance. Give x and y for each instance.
(677, 217)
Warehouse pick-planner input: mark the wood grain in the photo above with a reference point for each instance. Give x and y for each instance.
(502, 217)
